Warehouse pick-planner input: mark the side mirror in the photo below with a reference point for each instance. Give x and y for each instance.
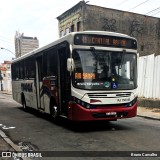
(70, 64)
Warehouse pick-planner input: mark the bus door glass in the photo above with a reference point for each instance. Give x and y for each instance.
(39, 81)
(64, 80)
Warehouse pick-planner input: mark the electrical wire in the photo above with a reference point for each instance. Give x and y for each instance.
(138, 5)
(155, 13)
(120, 3)
(5, 42)
(153, 10)
(9, 39)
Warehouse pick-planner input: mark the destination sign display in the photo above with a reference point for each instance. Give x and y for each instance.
(105, 40)
(85, 75)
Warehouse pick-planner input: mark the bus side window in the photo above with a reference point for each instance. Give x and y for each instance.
(40, 68)
(32, 68)
(21, 73)
(29, 68)
(17, 71)
(45, 63)
(13, 66)
(52, 63)
(25, 69)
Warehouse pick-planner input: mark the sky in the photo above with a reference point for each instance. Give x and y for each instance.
(37, 18)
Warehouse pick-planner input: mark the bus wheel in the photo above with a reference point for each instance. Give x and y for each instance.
(54, 113)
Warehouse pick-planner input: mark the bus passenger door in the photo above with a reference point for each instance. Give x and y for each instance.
(39, 82)
(64, 80)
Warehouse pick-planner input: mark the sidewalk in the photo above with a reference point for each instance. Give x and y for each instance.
(149, 108)
(6, 92)
(148, 112)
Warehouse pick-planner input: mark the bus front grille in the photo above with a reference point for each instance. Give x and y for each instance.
(109, 95)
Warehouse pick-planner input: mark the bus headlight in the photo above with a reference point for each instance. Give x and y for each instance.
(83, 104)
(88, 106)
(130, 104)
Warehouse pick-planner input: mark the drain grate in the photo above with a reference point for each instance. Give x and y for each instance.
(27, 146)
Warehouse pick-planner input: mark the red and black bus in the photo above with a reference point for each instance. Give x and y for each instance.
(83, 76)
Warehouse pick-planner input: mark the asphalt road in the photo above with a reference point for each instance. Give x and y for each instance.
(35, 131)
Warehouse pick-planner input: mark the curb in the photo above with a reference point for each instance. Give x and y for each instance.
(12, 144)
(147, 117)
(148, 112)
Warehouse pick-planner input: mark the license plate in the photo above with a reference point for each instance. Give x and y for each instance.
(111, 113)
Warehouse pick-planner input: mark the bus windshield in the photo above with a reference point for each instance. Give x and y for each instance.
(104, 70)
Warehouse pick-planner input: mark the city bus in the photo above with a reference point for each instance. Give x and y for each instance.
(83, 76)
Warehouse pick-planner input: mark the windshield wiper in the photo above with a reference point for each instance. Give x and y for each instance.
(93, 50)
(122, 58)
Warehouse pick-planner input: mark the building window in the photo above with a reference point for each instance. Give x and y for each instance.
(142, 47)
(79, 26)
(61, 33)
(72, 28)
(67, 30)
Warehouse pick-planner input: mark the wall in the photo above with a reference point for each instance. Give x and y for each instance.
(146, 29)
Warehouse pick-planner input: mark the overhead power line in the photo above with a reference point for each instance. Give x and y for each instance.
(138, 5)
(155, 13)
(6, 42)
(9, 39)
(153, 10)
(120, 3)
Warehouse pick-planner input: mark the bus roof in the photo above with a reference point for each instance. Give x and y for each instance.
(69, 38)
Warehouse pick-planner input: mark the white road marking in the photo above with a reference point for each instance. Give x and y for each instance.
(5, 127)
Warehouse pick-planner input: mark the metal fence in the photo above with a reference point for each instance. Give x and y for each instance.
(149, 76)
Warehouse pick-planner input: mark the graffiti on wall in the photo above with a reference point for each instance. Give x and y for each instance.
(109, 25)
(136, 28)
(144, 30)
(155, 30)
(149, 47)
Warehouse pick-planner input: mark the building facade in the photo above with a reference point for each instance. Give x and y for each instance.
(24, 44)
(82, 17)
